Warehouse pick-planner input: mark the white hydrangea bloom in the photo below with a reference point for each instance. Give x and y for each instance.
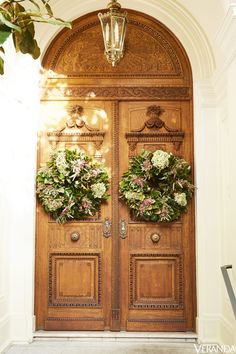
(54, 204)
(134, 195)
(61, 162)
(98, 189)
(181, 199)
(160, 159)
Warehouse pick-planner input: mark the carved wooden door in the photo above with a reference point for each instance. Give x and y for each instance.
(73, 261)
(111, 271)
(157, 272)
(141, 277)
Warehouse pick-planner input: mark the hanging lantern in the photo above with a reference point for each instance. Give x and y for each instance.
(113, 28)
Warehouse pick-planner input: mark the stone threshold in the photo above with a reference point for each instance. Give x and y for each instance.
(171, 337)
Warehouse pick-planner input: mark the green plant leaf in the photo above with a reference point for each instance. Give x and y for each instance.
(5, 32)
(51, 20)
(8, 23)
(36, 50)
(18, 21)
(26, 44)
(1, 66)
(16, 36)
(48, 7)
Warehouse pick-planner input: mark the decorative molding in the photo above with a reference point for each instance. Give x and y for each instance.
(114, 93)
(92, 220)
(79, 52)
(91, 137)
(156, 34)
(76, 120)
(59, 238)
(226, 36)
(75, 319)
(115, 287)
(139, 237)
(179, 286)
(93, 302)
(73, 131)
(157, 320)
(154, 123)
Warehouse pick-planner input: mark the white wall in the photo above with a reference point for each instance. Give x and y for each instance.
(225, 85)
(214, 96)
(228, 195)
(19, 104)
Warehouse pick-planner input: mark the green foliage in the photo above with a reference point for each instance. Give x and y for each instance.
(72, 185)
(19, 22)
(157, 186)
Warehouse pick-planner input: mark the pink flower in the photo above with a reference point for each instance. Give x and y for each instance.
(78, 166)
(139, 181)
(148, 201)
(146, 165)
(86, 203)
(145, 205)
(94, 173)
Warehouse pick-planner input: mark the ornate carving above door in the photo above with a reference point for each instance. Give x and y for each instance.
(150, 51)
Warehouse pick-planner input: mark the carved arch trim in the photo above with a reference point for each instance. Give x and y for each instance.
(152, 51)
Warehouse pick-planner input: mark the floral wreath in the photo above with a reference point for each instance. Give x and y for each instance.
(157, 186)
(72, 185)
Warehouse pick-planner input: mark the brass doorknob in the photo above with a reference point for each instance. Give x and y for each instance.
(155, 238)
(74, 236)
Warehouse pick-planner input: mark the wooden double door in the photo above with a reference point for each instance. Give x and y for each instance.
(111, 271)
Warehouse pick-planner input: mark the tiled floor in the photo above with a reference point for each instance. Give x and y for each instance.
(101, 347)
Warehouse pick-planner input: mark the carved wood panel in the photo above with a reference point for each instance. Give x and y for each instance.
(90, 237)
(140, 236)
(153, 127)
(75, 279)
(156, 281)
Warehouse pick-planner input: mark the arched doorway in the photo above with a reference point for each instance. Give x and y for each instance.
(124, 281)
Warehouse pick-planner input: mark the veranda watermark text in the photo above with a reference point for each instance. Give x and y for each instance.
(214, 348)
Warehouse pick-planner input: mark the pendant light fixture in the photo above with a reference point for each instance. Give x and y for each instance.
(113, 25)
